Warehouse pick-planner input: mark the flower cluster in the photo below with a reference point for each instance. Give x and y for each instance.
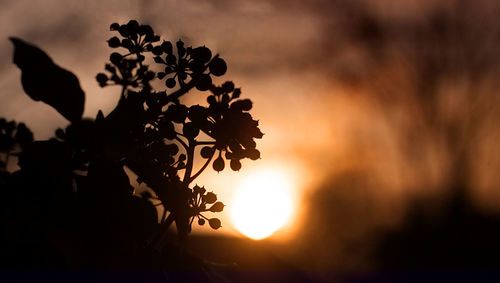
(228, 122)
(78, 182)
(128, 69)
(167, 132)
(194, 63)
(199, 202)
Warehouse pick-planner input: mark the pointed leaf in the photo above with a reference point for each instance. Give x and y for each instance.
(43, 80)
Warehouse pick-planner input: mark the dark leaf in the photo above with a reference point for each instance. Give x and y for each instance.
(43, 80)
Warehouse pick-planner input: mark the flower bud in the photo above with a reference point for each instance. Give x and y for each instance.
(217, 207)
(214, 223)
(170, 82)
(199, 190)
(115, 58)
(228, 86)
(114, 42)
(210, 197)
(101, 79)
(114, 26)
(157, 50)
(235, 165)
(204, 82)
(218, 164)
(190, 130)
(207, 152)
(217, 67)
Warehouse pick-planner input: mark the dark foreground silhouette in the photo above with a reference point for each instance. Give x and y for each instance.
(71, 204)
(454, 236)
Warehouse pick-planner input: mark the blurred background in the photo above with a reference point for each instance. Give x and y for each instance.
(384, 114)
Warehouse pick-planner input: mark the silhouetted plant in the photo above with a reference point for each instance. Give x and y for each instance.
(81, 172)
(225, 122)
(13, 137)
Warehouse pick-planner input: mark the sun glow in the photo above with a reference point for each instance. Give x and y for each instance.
(262, 203)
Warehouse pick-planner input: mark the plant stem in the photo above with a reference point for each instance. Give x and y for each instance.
(202, 168)
(123, 91)
(205, 143)
(164, 214)
(189, 165)
(182, 143)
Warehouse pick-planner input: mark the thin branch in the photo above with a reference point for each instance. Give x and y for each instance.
(189, 165)
(191, 222)
(138, 54)
(180, 134)
(202, 168)
(182, 143)
(124, 88)
(164, 214)
(205, 143)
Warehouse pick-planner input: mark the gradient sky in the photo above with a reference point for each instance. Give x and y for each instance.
(334, 83)
(269, 51)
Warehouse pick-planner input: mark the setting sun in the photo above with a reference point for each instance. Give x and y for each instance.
(262, 203)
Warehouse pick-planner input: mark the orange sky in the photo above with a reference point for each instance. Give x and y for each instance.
(261, 43)
(317, 91)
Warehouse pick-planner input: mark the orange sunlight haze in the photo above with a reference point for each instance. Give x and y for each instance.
(262, 203)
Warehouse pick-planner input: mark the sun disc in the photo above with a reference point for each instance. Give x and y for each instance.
(262, 204)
